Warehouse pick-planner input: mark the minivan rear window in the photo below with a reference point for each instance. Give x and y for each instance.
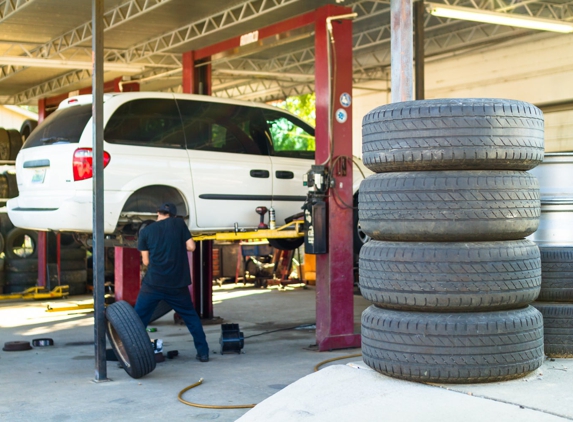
(64, 126)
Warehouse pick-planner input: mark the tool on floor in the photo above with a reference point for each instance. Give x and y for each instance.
(232, 339)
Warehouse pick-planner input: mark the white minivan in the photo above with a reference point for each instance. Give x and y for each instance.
(215, 159)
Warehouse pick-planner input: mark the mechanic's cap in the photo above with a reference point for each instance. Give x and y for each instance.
(169, 208)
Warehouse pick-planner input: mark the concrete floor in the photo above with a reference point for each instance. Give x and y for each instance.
(56, 383)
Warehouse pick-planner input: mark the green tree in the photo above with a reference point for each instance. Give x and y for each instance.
(304, 106)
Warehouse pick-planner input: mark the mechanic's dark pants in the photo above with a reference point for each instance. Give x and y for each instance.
(180, 300)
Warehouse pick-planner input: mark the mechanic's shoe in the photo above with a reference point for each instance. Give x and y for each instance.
(202, 358)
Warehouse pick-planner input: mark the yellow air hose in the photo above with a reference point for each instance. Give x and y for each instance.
(245, 406)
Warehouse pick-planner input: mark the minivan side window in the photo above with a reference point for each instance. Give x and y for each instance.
(64, 125)
(153, 122)
(290, 136)
(223, 127)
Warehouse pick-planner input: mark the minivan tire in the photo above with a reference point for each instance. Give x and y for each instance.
(463, 347)
(129, 340)
(448, 206)
(453, 134)
(450, 276)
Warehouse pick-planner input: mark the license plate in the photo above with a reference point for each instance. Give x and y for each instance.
(39, 176)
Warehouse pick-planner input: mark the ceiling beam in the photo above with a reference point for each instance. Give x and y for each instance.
(125, 12)
(68, 64)
(229, 17)
(9, 7)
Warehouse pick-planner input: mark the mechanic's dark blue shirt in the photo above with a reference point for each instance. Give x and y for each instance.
(168, 263)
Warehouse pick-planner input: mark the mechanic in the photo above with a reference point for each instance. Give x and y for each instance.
(163, 246)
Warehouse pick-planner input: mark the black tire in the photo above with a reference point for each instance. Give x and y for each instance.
(556, 275)
(453, 348)
(72, 254)
(558, 328)
(286, 244)
(129, 340)
(73, 265)
(449, 205)
(67, 241)
(4, 144)
(3, 186)
(161, 309)
(12, 185)
(453, 134)
(76, 279)
(1, 243)
(18, 247)
(27, 127)
(27, 265)
(18, 282)
(5, 224)
(450, 276)
(359, 238)
(15, 143)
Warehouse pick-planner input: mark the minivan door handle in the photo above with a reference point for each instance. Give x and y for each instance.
(283, 174)
(261, 174)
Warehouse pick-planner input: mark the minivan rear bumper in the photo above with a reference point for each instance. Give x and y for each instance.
(74, 214)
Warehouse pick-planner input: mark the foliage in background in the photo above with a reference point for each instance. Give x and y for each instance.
(304, 106)
(290, 138)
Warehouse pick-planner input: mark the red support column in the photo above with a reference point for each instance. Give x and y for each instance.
(42, 247)
(334, 271)
(196, 80)
(127, 274)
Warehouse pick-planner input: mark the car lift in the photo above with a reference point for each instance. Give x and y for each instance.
(335, 279)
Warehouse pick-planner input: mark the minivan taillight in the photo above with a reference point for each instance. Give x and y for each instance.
(83, 165)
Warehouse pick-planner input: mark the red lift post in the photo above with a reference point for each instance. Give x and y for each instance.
(335, 278)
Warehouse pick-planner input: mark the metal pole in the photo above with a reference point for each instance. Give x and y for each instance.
(401, 45)
(419, 10)
(98, 249)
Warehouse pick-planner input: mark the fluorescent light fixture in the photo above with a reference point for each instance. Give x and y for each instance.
(68, 64)
(497, 18)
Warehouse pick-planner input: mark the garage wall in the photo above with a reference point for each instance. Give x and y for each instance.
(537, 69)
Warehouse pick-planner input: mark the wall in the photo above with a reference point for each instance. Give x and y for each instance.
(537, 69)
(12, 118)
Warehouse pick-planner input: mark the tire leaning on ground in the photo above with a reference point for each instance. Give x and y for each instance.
(556, 274)
(453, 347)
(129, 340)
(447, 206)
(558, 328)
(450, 134)
(450, 276)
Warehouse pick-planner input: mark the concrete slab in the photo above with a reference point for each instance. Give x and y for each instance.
(357, 393)
(56, 383)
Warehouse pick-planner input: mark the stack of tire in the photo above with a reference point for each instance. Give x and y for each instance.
(448, 269)
(21, 262)
(73, 265)
(555, 240)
